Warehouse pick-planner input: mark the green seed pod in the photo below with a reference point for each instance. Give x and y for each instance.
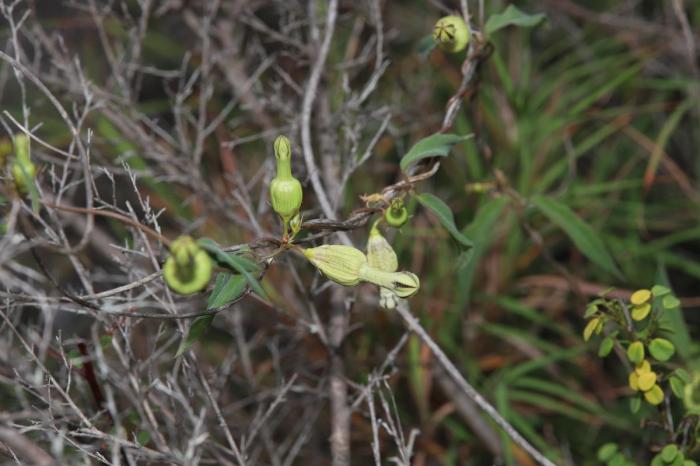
(188, 268)
(396, 215)
(451, 34)
(381, 255)
(285, 190)
(342, 264)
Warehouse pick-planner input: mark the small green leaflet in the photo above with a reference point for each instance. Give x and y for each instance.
(512, 16)
(236, 263)
(436, 145)
(445, 216)
(583, 236)
(426, 45)
(228, 288)
(199, 325)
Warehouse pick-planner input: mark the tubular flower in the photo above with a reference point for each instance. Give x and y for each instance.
(451, 34)
(402, 284)
(381, 255)
(188, 268)
(285, 190)
(23, 170)
(348, 266)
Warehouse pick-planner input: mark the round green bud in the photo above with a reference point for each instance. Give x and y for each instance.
(188, 268)
(451, 34)
(396, 215)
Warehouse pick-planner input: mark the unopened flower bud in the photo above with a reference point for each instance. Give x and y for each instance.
(188, 268)
(23, 170)
(285, 190)
(295, 224)
(23, 173)
(342, 264)
(381, 255)
(397, 214)
(451, 34)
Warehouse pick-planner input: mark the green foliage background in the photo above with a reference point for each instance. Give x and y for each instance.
(581, 176)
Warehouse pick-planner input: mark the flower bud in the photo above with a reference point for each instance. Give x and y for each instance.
(397, 214)
(451, 34)
(342, 264)
(295, 224)
(23, 173)
(23, 170)
(285, 190)
(188, 268)
(283, 148)
(381, 255)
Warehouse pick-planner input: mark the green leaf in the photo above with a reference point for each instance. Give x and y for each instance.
(436, 145)
(661, 349)
(143, 437)
(591, 310)
(673, 317)
(669, 452)
(605, 347)
(234, 262)
(199, 325)
(617, 460)
(445, 216)
(228, 288)
(583, 236)
(607, 451)
(512, 16)
(677, 386)
(635, 352)
(635, 404)
(670, 302)
(659, 290)
(426, 45)
(480, 230)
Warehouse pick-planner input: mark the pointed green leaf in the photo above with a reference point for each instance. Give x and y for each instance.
(228, 288)
(436, 145)
(635, 404)
(605, 347)
(426, 45)
(445, 216)
(199, 325)
(234, 262)
(583, 236)
(512, 16)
